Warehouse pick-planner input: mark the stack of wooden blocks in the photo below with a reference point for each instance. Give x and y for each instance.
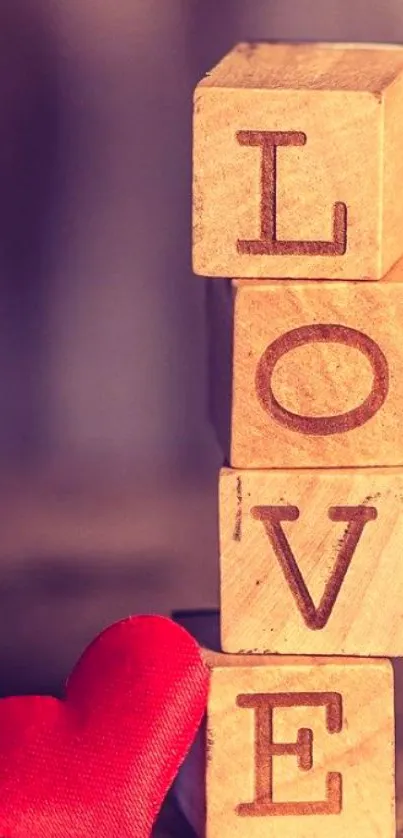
(298, 192)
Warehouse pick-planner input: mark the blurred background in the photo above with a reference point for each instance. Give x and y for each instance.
(108, 462)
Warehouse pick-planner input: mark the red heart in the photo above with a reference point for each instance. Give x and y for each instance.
(99, 763)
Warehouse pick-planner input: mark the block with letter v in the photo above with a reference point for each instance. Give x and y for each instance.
(308, 560)
(355, 516)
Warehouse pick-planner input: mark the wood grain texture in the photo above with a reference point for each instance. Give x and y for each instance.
(318, 374)
(193, 782)
(190, 787)
(311, 561)
(296, 158)
(312, 741)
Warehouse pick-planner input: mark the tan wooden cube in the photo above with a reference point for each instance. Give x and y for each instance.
(300, 748)
(318, 374)
(311, 561)
(297, 157)
(190, 784)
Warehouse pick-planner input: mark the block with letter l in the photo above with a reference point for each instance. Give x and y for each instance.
(300, 747)
(297, 152)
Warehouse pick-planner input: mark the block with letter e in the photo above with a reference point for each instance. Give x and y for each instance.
(297, 153)
(300, 746)
(318, 374)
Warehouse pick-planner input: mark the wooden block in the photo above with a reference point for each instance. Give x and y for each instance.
(297, 153)
(190, 786)
(318, 374)
(311, 561)
(300, 747)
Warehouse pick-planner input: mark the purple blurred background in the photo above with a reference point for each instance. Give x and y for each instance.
(109, 464)
(103, 350)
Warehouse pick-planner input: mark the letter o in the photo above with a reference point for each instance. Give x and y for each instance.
(322, 425)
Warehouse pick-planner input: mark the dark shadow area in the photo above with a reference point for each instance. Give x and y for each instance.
(219, 312)
(171, 822)
(203, 624)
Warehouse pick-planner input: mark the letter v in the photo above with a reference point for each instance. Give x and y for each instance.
(271, 517)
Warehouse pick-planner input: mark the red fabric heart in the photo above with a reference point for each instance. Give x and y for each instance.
(99, 763)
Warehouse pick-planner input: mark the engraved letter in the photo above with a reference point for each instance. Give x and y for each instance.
(268, 244)
(271, 517)
(323, 425)
(266, 749)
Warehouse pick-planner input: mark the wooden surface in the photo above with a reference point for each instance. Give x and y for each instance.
(296, 158)
(337, 774)
(189, 787)
(311, 561)
(192, 780)
(318, 374)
